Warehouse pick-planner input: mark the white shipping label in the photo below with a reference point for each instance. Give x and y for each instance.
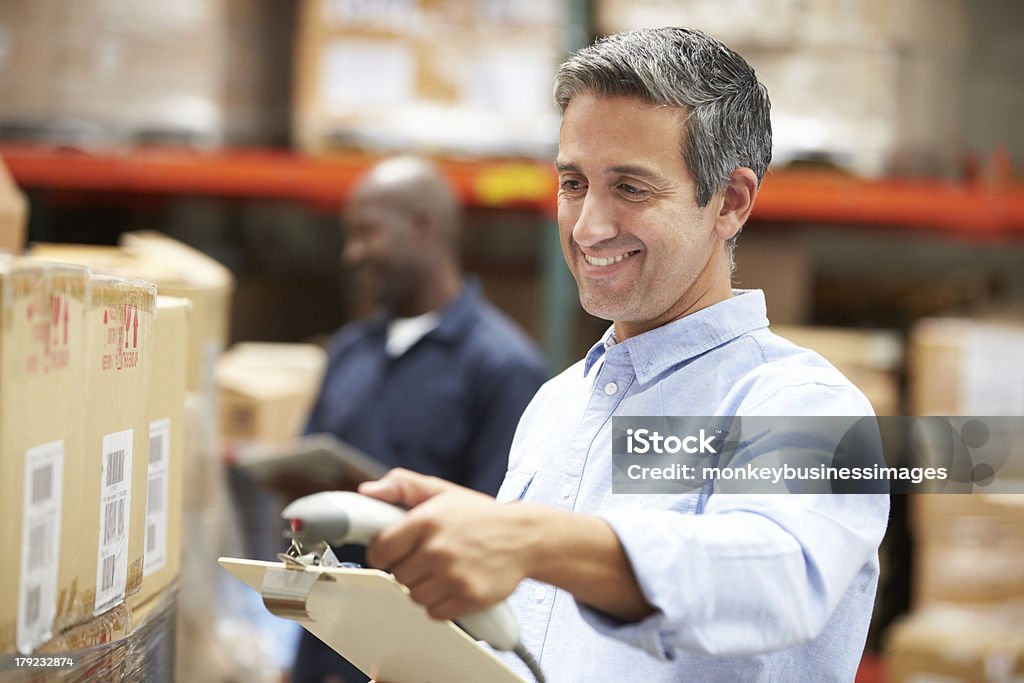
(366, 73)
(115, 511)
(993, 371)
(156, 496)
(40, 544)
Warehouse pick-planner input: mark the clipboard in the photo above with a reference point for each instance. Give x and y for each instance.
(319, 457)
(368, 617)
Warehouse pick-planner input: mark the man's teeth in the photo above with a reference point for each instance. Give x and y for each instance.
(597, 261)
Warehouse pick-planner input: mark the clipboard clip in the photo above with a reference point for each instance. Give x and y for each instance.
(286, 589)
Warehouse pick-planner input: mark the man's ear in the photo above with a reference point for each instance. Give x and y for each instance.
(737, 202)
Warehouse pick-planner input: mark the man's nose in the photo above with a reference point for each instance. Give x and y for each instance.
(596, 222)
(353, 252)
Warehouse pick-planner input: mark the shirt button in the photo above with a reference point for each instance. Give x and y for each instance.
(566, 490)
(540, 592)
(611, 388)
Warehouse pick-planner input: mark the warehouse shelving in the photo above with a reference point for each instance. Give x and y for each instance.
(982, 212)
(787, 196)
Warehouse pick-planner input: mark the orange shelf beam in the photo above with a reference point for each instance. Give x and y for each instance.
(259, 173)
(786, 196)
(808, 197)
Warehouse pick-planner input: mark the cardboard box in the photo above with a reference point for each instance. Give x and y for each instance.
(961, 366)
(783, 267)
(99, 72)
(872, 86)
(177, 270)
(969, 548)
(42, 380)
(448, 76)
(119, 323)
(267, 390)
(871, 359)
(918, 25)
(165, 415)
(123, 644)
(957, 645)
(13, 214)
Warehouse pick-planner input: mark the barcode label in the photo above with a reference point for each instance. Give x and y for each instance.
(107, 578)
(156, 496)
(115, 468)
(156, 447)
(113, 521)
(33, 605)
(40, 544)
(42, 483)
(115, 508)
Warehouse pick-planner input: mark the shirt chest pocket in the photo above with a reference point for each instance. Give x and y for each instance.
(515, 485)
(686, 503)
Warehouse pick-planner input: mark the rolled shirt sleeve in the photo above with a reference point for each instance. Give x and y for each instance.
(750, 575)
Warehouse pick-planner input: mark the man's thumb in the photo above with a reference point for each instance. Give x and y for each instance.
(404, 487)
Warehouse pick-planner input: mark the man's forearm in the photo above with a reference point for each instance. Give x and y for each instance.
(582, 555)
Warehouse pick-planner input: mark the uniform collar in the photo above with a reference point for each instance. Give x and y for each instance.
(458, 315)
(455, 317)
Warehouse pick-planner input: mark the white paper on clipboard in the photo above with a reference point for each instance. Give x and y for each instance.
(368, 617)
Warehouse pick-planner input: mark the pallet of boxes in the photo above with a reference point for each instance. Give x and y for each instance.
(92, 398)
(208, 522)
(968, 575)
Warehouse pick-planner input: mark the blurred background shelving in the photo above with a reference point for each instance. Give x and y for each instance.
(969, 209)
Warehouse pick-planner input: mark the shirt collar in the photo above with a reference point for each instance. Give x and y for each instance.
(657, 350)
(457, 315)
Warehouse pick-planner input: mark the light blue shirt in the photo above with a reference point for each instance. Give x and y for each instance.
(745, 587)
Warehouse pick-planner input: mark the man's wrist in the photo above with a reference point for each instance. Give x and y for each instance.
(538, 536)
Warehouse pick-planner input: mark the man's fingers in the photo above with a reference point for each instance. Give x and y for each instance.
(404, 487)
(395, 544)
(411, 572)
(449, 607)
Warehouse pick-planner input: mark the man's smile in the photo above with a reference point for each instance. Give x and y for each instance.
(608, 260)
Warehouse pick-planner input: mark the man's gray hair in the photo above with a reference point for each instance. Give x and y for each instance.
(728, 125)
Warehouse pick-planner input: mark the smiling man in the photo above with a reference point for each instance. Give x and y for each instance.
(665, 137)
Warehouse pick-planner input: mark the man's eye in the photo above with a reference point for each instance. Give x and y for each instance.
(632, 190)
(571, 185)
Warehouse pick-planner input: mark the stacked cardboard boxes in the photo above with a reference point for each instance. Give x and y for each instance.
(965, 366)
(99, 72)
(177, 270)
(968, 580)
(267, 390)
(91, 481)
(858, 83)
(13, 214)
(431, 75)
(956, 645)
(206, 521)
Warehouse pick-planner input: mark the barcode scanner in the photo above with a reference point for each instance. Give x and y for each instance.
(340, 517)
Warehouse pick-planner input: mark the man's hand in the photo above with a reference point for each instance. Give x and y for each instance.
(458, 551)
